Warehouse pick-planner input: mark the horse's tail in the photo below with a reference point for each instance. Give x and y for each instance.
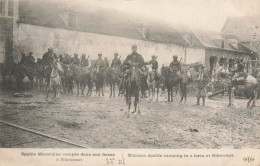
(139, 101)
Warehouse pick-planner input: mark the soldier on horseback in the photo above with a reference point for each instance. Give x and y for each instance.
(106, 62)
(99, 62)
(66, 59)
(239, 71)
(116, 62)
(154, 64)
(84, 61)
(133, 59)
(47, 58)
(175, 66)
(76, 60)
(30, 60)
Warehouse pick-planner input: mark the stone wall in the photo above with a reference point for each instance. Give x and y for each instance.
(38, 39)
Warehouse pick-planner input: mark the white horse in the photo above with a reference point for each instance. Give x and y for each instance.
(55, 80)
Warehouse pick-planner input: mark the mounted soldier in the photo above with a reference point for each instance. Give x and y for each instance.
(154, 64)
(76, 60)
(84, 61)
(106, 62)
(30, 60)
(239, 72)
(66, 59)
(99, 62)
(116, 62)
(47, 58)
(133, 59)
(175, 66)
(222, 71)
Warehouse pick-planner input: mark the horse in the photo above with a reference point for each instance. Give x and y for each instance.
(83, 76)
(7, 72)
(132, 89)
(172, 80)
(249, 86)
(153, 83)
(19, 72)
(99, 80)
(39, 75)
(113, 79)
(55, 80)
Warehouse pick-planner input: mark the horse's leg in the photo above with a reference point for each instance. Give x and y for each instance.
(102, 89)
(77, 84)
(48, 91)
(96, 88)
(91, 87)
(185, 92)
(230, 96)
(157, 92)
(169, 89)
(182, 92)
(111, 89)
(149, 93)
(84, 87)
(137, 102)
(114, 89)
(58, 89)
(171, 94)
(129, 105)
(249, 101)
(54, 92)
(31, 80)
(255, 97)
(153, 92)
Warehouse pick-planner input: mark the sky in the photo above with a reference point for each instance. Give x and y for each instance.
(198, 14)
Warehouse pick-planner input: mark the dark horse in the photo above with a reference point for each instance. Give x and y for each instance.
(113, 79)
(133, 89)
(19, 72)
(249, 86)
(172, 80)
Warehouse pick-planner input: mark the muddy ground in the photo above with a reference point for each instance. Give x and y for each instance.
(101, 122)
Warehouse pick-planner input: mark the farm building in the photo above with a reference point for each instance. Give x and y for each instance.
(38, 25)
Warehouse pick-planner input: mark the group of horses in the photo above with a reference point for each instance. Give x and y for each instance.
(64, 76)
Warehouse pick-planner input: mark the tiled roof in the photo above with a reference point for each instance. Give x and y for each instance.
(100, 21)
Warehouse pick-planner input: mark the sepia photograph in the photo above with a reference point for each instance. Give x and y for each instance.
(130, 74)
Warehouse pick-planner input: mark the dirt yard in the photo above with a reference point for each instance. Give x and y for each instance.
(101, 122)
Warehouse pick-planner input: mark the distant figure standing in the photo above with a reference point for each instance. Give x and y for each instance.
(202, 81)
